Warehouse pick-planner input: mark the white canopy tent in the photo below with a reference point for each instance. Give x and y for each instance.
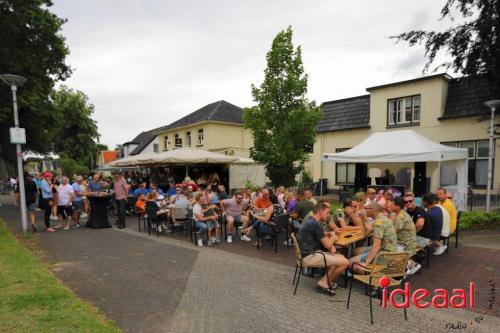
(408, 146)
(240, 169)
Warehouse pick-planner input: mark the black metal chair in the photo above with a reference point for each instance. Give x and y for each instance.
(140, 216)
(179, 218)
(130, 209)
(152, 217)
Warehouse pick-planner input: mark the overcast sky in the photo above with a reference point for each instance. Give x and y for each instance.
(145, 64)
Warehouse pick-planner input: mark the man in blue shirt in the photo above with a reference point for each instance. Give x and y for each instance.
(95, 185)
(141, 189)
(47, 199)
(436, 218)
(171, 190)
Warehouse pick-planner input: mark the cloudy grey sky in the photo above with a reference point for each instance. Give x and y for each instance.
(145, 64)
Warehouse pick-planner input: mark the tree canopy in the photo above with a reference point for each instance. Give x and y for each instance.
(474, 45)
(33, 47)
(283, 123)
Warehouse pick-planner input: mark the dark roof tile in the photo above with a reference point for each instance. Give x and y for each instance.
(349, 113)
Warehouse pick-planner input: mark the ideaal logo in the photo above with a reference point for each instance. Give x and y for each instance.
(460, 298)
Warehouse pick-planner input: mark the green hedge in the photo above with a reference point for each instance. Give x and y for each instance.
(479, 220)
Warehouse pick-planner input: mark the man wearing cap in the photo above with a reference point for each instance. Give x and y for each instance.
(120, 189)
(47, 200)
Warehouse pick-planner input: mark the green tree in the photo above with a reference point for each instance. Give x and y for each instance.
(283, 122)
(31, 46)
(474, 45)
(76, 133)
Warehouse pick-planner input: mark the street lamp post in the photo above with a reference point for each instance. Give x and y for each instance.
(14, 81)
(492, 105)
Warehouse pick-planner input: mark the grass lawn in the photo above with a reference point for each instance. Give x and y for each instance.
(33, 300)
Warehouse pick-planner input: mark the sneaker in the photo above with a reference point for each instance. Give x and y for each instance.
(200, 242)
(440, 250)
(213, 239)
(77, 226)
(414, 269)
(244, 238)
(84, 215)
(209, 242)
(288, 242)
(240, 227)
(217, 241)
(230, 239)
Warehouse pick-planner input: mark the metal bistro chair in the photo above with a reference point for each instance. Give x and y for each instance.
(387, 264)
(179, 217)
(300, 265)
(152, 217)
(140, 216)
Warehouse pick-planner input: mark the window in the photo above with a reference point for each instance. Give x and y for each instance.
(403, 111)
(178, 141)
(188, 139)
(344, 172)
(478, 162)
(201, 136)
(155, 147)
(165, 143)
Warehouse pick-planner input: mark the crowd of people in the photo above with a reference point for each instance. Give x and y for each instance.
(402, 223)
(394, 224)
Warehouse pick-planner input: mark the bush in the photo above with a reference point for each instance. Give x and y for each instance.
(306, 180)
(479, 220)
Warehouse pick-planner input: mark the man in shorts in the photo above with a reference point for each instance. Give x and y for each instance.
(65, 195)
(234, 210)
(313, 238)
(77, 200)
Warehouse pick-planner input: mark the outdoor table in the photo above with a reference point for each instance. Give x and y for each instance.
(347, 239)
(98, 217)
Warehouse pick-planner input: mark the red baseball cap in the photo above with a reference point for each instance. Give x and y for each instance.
(47, 174)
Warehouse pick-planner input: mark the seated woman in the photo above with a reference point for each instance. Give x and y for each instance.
(202, 222)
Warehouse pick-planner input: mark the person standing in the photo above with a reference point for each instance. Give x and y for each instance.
(31, 194)
(47, 199)
(78, 199)
(120, 189)
(65, 196)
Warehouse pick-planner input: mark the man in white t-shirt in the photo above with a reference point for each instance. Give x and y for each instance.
(65, 195)
(445, 232)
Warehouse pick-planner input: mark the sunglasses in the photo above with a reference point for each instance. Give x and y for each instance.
(408, 201)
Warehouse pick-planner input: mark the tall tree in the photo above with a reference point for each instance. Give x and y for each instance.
(76, 131)
(474, 45)
(32, 46)
(283, 122)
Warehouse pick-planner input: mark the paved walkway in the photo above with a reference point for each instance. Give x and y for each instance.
(147, 284)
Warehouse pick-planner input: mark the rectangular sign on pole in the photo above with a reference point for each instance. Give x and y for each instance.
(17, 135)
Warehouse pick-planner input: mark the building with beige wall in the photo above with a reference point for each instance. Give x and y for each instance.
(216, 127)
(444, 109)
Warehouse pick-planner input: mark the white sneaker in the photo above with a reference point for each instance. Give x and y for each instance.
(213, 239)
(414, 269)
(440, 250)
(229, 239)
(200, 242)
(245, 238)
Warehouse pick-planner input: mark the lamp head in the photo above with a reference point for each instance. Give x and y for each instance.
(12, 80)
(493, 103)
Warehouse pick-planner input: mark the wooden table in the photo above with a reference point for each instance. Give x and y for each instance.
(348, 238)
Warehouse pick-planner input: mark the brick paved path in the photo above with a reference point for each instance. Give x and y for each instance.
(147, 284)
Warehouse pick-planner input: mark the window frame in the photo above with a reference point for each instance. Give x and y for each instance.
(201, 137)
(337, 182)
(401, 109)
(473, 160)
(188, 138)
(165, 143)
(177, 141)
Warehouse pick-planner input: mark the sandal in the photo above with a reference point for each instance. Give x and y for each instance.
(326, 291)
(259, 244)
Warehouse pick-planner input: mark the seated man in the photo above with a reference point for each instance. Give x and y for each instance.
(200, 219)
(346, 217)
(420, 219)
(442, 195)
(171, 190)
(311, 238)
(262, 213)
(436, 220)
(140, 205)
(405, 233)
(141, 189)
(384, 237)
(302, 209)
(234, 210)
(156, 188)
(309, 196)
